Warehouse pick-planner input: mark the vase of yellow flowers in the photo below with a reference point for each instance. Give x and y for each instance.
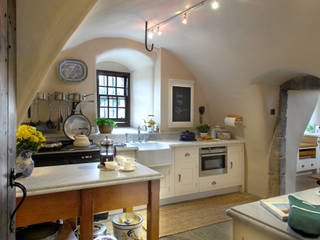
(28, 140)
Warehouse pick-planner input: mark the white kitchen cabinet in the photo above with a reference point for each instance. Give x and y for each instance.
(166, 183)
(235, 161)
(186, 170)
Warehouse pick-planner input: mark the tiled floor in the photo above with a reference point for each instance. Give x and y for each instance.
(219, 231)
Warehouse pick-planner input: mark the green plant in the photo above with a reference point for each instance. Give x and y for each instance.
(309, 128)
(105, 122)
(203, 128)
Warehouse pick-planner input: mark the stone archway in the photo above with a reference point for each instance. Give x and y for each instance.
(277, 158)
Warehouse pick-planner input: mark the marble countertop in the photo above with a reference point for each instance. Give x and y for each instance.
(256, 214)
(62, 178)
(167, 144)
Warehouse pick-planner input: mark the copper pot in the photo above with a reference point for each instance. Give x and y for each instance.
(105, 129)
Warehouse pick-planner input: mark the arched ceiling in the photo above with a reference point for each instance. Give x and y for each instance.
(243, 40)
(132, 59)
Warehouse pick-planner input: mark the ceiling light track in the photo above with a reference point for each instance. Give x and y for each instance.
(156, 27)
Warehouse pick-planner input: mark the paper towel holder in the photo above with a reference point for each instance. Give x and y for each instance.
(238, 118)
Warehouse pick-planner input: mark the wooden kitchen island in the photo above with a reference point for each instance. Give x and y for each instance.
(68, 191)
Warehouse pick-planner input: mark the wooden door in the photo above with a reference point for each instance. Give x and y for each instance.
(7, 112)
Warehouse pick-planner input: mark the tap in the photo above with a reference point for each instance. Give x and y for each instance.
(126, 135)
(139, 134)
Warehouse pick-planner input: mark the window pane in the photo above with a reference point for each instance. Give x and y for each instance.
(102, 80)
(111, 81)
(120, 82)
(103, 101)
(112, 102)
(112, 113)
(111, 91)
(104, 112)
(120, 91)
(121, 102)
(121, 113)
(102, 90)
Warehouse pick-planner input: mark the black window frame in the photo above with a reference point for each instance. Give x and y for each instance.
(121, 122)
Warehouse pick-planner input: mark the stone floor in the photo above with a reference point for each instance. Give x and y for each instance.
(219, 231)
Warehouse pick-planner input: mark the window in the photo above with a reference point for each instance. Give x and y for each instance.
(113, 98)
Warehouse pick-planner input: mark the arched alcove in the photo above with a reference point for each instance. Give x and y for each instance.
(141, 71)
(298, 98)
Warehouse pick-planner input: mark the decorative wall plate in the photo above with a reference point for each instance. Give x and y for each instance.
(72, 70)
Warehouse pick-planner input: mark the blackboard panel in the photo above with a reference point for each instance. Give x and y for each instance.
(181, 104)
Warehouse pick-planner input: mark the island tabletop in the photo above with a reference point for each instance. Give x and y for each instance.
(68, 191)
(252, 221)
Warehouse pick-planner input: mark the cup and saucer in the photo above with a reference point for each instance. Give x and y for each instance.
(127, 166)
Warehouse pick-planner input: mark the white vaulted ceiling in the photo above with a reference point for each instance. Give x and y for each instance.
(244, 39)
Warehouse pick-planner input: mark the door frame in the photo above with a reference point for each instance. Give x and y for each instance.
(7, 112)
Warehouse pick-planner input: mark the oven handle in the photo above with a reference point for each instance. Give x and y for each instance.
(213, 154)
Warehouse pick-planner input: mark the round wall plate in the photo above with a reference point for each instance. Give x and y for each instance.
(72, 70)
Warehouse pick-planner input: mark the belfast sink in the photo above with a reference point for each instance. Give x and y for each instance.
(149, 146)
(152, 154)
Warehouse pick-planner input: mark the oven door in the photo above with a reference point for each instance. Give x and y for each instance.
(213, 164)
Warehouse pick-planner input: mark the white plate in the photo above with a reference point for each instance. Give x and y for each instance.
(127, 170)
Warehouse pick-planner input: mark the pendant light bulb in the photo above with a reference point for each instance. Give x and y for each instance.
(185, 19)
(159, 31)
(215, 5)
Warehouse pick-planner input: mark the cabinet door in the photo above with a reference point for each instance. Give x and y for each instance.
(166, 187)
(235, 160)
(185, 180)
(186, 170)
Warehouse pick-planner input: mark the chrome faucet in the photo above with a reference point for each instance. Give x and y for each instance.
(139, 134)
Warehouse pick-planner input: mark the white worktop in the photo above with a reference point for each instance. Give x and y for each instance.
(44, 180)
(167, 144)
(256, 214)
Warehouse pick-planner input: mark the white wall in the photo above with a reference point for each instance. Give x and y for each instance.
(301, 104)
(112, 66)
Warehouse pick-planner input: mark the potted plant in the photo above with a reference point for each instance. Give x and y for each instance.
(28, 140)
(203, 129)
(105, 125)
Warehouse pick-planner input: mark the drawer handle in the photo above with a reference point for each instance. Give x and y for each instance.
(179, 177)
(231, 164)
(187, 155)
(312, 164)
(214, 183)
(302, 166)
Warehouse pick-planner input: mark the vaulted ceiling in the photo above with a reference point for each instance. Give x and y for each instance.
(244, 39)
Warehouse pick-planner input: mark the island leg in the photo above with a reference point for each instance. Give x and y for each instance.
(86, 219)
(153, 210)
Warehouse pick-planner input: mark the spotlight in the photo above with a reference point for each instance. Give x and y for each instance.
(215, 5)
(185, 19)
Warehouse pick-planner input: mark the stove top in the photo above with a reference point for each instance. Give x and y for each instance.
(69, 149)
(68, 154)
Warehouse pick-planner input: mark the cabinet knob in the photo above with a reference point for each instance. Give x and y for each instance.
(302, 166)
(214, 183)
(312, 164)
(179, 177)
(187, 154)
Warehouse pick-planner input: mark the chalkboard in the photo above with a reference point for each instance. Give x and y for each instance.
(181, 104)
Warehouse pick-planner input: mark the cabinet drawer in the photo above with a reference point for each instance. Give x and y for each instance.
(303, 165)
(213, 182)
(186, 154)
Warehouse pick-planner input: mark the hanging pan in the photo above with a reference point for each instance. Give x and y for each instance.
(76, 124)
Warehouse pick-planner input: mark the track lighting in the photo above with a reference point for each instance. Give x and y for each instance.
(215, 5)
(185, 19)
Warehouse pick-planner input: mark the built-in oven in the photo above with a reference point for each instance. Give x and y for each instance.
(213, 160)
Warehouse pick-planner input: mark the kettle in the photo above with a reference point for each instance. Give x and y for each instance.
(81, 141)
